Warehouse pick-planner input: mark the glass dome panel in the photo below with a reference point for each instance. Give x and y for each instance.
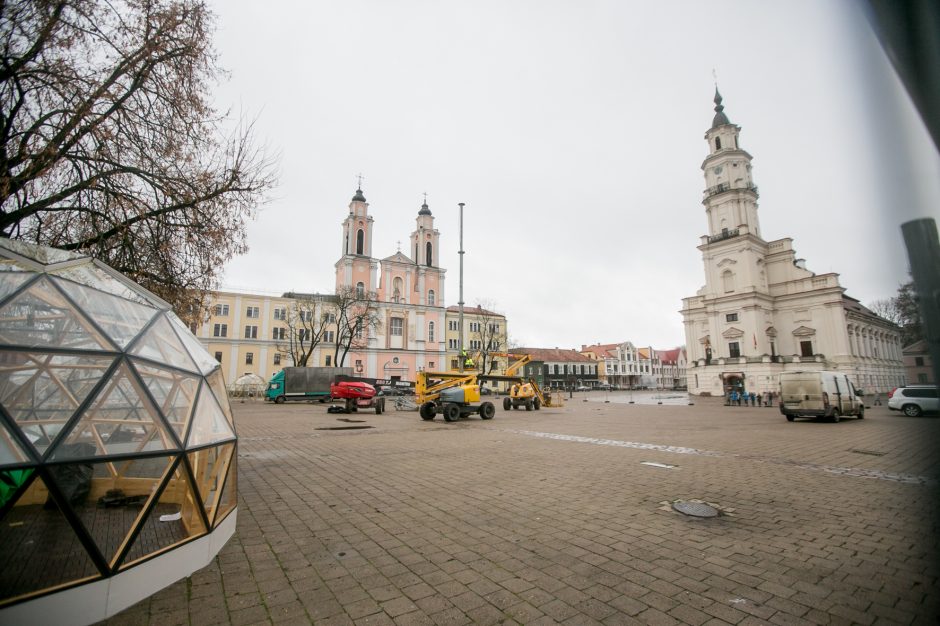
(221, 393)
(181, 520)
(11, 452)
(121, 319)
(40, 316)
(37, 538)
(41, 391)
(122, 420)
(161, 344)
(229, 497)
(118, 494)
(210, 466)
(99, 278)
(209, 422)
(198, 352)
(174, 391)
(11, 281)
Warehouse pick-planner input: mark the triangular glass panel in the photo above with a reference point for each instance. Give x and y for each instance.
(210, 466)
(100, 278)
(120, 318)
(41, 391)
(175, 518)
(209, 422)
(11, 281)
(115, 497)
(229, 498)
(38, 547)
(217, 383)
(40, 254)
(11, 481)
(40, 316)
(122, 420)
(161, 344)
(174, 391)
(11, 451)
(197, 351)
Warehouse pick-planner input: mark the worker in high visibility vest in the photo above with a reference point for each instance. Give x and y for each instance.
(467, 360)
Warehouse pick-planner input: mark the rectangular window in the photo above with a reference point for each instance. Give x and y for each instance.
(731, 317)
(253, 311)
(330, 318)
(734, 349)
(397, 325)
(220, 330)
(328, 336)
(806, 348)
(430, 365)
(922, 378)
(329, 360)
(280, 314)
(431, 331)
(218, 357)
(919, 361)
(454, 364)
(221, 309)
(249, 358)
(303, 334)
(358, 365)
(251, 332)
(305, 316)
(278, 334)
(277, 358)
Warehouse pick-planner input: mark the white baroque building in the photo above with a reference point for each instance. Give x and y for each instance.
(761, 312)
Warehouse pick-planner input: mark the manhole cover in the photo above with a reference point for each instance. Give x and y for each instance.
(696, 509)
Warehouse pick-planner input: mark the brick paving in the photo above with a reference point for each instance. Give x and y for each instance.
(550, 517)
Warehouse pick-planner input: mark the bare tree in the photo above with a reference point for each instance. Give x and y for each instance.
(886, 308)
(109, 143)
(486, 333)
(307, 318)
(357, 318)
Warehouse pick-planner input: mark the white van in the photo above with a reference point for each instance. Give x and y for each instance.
(819, 394)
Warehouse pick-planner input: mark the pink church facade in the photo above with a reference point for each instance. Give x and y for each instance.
(409, 289)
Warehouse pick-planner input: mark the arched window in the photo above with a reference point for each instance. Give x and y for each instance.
(727, 280)
(429, 257)
(431, 332)
(360, 238)
(717, 143)
(360, 290)
(431, 297)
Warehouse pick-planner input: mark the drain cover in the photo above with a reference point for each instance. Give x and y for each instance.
(696, 509)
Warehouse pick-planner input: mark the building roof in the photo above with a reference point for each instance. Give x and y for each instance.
(560, 355)
(473, 310)
(720, 118)
(852, 305)
(918, 347)
(359, 197)
(424, 209)
(602, 349)
(668, 356)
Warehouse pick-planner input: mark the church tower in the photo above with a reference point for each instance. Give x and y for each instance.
(356, 267)
(730, 194)
(425, 240)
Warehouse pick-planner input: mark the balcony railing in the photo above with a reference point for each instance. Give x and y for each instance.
(723, 187)
(725, 234)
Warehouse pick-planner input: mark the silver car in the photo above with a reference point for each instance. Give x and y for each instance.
(914, 400)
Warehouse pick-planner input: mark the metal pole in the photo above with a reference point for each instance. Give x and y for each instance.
(460, 301)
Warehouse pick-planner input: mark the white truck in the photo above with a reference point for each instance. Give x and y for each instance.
(819, 394)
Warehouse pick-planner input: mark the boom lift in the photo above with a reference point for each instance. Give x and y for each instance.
(453, 394)
(522, 392)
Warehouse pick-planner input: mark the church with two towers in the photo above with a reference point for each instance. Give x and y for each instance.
(761, 312)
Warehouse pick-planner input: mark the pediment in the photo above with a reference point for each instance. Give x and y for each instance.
(726, 262)
(399, 257)
(732, 333)
(706, 340)
(804, 331)
(771, 331)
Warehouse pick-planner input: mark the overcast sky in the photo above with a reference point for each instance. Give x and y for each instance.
(573, 131)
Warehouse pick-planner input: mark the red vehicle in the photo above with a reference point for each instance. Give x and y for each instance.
(357, 395)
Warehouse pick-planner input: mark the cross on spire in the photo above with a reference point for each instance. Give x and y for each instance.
(359, 177)
(399, 245)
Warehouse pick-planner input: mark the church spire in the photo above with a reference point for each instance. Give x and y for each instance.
(720, 117)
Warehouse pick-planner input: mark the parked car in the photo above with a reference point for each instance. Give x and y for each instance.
(914, 400)
(582, 388)
(819, 394)
(602, 387)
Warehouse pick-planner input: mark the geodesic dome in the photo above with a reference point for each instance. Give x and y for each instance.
(117, 441)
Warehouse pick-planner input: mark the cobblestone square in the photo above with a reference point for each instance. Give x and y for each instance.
(564, 516)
